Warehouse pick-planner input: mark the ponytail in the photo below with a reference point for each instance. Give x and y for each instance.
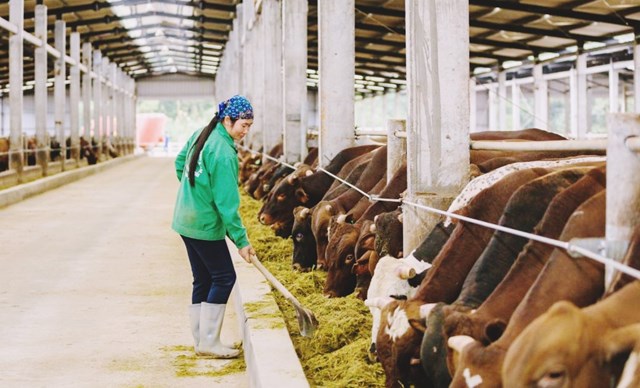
(199, 144)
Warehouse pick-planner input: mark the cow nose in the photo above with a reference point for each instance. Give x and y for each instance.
(261, 218)
(329, 294)
(297, 267)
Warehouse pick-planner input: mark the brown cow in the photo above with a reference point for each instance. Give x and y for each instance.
(444, 280)
(566, 346)
(580, 281)
(304, 191)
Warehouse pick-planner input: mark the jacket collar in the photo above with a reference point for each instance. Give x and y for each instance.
(225, 135)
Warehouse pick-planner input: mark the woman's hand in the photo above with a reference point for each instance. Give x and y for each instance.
(246, 253)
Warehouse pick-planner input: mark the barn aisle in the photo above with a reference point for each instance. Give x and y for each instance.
(94, 286)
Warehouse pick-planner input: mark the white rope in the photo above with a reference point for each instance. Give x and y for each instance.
(267, 156)
(545, 240)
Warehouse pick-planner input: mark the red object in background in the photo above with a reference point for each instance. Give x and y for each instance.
(150, 129)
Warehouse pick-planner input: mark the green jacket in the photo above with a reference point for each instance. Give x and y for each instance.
(209, 209)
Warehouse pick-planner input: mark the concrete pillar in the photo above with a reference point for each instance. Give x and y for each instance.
(502, 100)
(515, 98)
(438, 120)
(492, 106)
(614, 105)
(623, 177)
(473, 116)
(636, 77)
(336, 65)
(113, 75)
(257, 83)
(98, 125)
(396, 146)
(40, 88)
(60, 88)
(541, 97)
(573, 103)
(272, 90)
(16, 58)
(294, 34)
(86, 92)
(106, 102)
(74, 96)
(582, 114)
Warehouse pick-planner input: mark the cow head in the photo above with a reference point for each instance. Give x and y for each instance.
(561, 348)
(304, 252)
(249, 163)
(322, 214)
(623, 341)
(279, 205)
(364, 253)
(388, 233)
(474, 363)
(340, 258)
(398, 342)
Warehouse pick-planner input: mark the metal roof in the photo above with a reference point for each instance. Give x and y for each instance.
(154, 37)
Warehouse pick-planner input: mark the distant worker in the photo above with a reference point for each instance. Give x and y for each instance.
(206, 211)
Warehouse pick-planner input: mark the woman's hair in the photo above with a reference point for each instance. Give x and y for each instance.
(199, 144)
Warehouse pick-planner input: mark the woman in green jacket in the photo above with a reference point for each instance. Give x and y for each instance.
(206, 211)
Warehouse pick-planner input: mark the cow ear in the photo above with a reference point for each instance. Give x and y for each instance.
(494, 329)
(301, 195)
(418, 324)
(620, 342)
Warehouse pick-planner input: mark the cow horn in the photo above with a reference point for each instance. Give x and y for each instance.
(378, 302)
(459, 342)
(425, 309)
(375, 219)
(372, 228)
(304, 212)
(400, 217)
(308, 173)
(404, 271)
(297, 164)
(342, 218)
(327, 208)
(292, 178)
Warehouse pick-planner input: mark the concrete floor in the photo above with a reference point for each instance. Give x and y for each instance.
(94, 286)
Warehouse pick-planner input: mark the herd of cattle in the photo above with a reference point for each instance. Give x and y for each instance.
(89, 149)
(470, 306)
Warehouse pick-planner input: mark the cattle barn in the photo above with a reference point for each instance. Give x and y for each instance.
(439, 193)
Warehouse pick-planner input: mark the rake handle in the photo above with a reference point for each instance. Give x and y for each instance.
(275, 282)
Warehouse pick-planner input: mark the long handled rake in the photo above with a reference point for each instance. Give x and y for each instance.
(306, 320)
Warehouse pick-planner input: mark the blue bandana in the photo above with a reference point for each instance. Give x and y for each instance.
(237, 107)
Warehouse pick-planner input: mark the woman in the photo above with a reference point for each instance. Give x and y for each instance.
(206, 211)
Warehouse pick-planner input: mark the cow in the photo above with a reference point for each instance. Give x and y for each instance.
(4, 153)
(306, 191)
(374, 171)
(264, 172)
(304, 244)
(505, 298)
(444, 280)
(579, 280)
(524, 210)
(343, 236)
(566, 346)
(87, 151)
(249, 163)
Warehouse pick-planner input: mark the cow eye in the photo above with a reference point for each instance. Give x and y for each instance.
(299, 236)
(552, 379)
(281, 197)
(349, 259)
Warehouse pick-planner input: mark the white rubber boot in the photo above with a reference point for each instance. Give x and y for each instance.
(211, 317)
(194, 314)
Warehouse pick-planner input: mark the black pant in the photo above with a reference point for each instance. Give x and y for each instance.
(212, 268)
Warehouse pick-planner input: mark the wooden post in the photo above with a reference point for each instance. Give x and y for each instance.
(336, 63)
(294, 116)
(16, 13)
(41, 98)
(60, 87)
(438, 119)
(396, 146)
(74, 97)
(623, 180)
